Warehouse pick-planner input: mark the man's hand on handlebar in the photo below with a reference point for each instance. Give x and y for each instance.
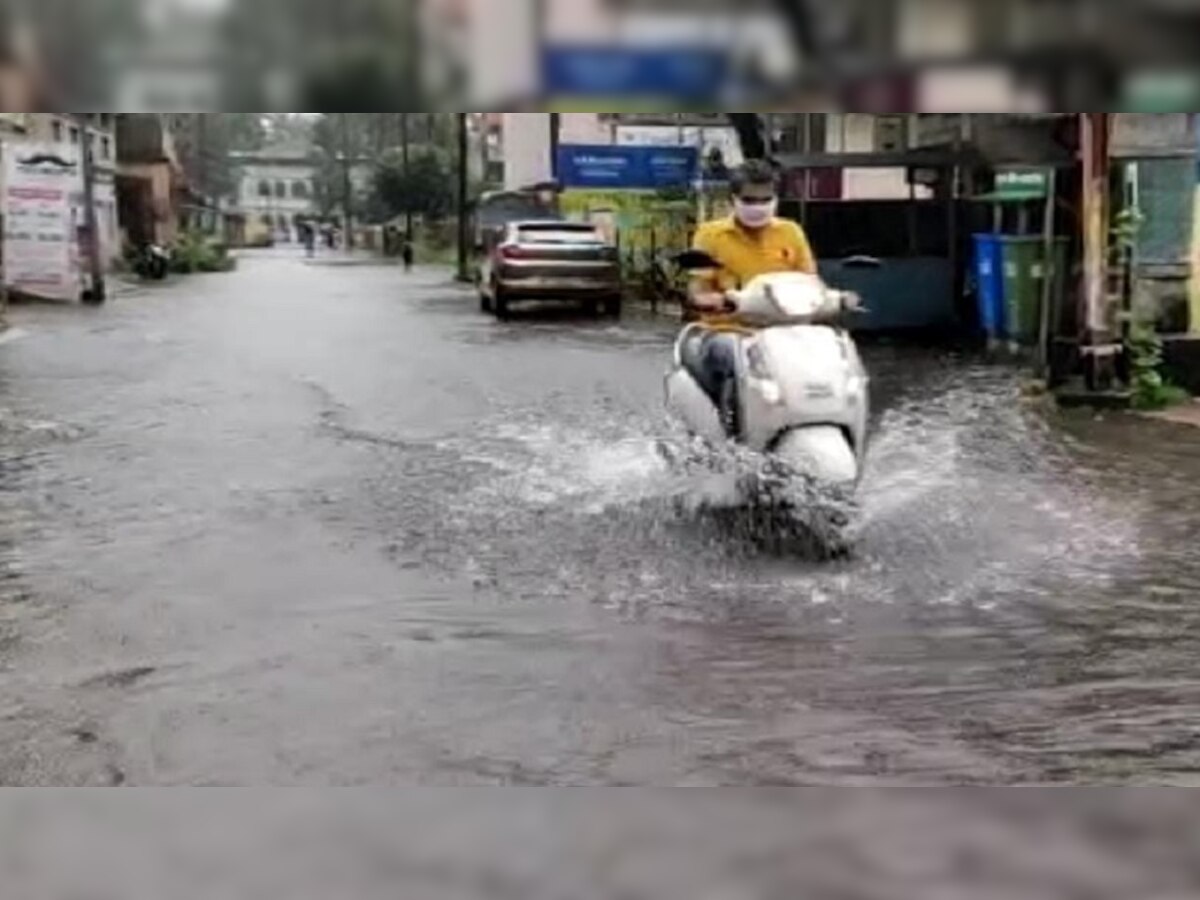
(853, 302)
(714, 301)
(707, 300)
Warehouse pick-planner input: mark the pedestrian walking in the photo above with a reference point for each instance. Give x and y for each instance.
(407, 253)
(308, 234)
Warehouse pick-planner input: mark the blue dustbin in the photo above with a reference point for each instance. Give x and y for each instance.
(989, 280)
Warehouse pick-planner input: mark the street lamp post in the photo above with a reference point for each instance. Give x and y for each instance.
(406, 150)
(464, 234)
(347, 181)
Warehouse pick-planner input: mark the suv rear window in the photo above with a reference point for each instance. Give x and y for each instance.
(559, 233)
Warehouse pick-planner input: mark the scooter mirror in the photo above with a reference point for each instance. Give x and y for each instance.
(696, 260)
(862, 262)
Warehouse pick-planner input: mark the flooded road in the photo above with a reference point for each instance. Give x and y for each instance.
(307, 525)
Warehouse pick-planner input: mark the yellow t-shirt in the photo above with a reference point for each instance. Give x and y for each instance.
(744, 255)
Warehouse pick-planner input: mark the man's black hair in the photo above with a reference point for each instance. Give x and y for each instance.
(757, 172)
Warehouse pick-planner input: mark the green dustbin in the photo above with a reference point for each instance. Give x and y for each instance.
(1024, 274)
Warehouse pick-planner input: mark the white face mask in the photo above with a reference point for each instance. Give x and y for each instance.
(755, 215)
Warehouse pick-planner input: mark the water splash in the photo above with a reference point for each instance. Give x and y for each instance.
(967, 497)
(542, 466)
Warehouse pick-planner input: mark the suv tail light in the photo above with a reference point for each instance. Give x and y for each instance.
(512, 251)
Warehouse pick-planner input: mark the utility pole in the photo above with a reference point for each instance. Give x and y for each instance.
(555, 142)
(96, 294)
(411, 69)
(347, 180)
(464, 231)
(485, 159)
(1099, 346)
(406, 150)
(202, 162)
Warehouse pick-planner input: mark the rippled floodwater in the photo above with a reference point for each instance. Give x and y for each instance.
(1017, 608)
(308, 526)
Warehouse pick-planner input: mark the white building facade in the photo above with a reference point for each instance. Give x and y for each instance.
(276, 191)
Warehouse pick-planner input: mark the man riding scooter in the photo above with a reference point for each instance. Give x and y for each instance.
(751, 243)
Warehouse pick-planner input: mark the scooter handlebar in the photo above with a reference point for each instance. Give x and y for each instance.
(851, 301)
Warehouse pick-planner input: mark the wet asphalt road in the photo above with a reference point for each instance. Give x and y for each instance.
(311, 525)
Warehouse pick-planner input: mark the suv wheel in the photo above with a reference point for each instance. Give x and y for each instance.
(499, 303)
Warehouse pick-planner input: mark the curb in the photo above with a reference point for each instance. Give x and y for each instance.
(344, 261)
(1187, 415)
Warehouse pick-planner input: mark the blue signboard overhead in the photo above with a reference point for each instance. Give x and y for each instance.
(680, 73)
(628, 168)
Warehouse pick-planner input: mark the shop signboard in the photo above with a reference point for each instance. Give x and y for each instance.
(40, 257)
(609, 167)
(640, 193)
(1019, 185)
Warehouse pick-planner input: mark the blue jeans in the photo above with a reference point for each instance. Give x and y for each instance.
(716, 370)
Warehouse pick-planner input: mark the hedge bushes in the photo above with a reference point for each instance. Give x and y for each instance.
(198, 253)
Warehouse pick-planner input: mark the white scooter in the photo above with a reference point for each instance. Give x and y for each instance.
(802, 393)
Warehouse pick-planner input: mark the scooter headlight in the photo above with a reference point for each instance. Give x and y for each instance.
(771, 392)
(756, 362)
(760, 376)
(856, 389)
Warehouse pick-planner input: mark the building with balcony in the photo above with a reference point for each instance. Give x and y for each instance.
(278, 189)
(151, 185)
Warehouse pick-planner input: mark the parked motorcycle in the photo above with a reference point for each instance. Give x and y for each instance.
(801, 390)
(152, 262)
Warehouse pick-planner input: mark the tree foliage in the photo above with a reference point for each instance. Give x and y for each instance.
(205, 142)
(282, 127)
(377, 140)
(426, 190)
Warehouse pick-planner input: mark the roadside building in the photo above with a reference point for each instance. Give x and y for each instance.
(69, 131)
(98, 130)
(527, 143)
(151, 185)
(278, 190)
(13, 124)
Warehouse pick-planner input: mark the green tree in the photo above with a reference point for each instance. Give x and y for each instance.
(376, 140)
(277, 127)
(333, 139)
(205, 143)
(373, 139)
(426, 190)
